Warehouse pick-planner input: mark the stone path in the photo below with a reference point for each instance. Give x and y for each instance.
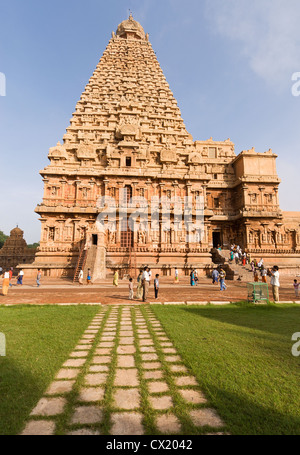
(124, 377)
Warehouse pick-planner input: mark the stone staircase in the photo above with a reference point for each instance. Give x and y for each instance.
(233, 271)
(90, 261)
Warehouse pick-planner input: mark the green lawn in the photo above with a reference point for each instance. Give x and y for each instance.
(241, 356)
(39, 340)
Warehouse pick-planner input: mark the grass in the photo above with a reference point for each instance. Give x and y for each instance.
(38, 341)
(241, 356)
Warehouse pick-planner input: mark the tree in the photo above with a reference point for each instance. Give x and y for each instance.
(34, 245)
(3, 238)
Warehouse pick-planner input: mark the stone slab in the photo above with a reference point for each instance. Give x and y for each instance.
(168, 424)
(158, 387)
(206, 417)
(91, 394)
(39, 428)
(60, 387)
(74, 363)
(126, 398)
(68, 373)
(87, 415)
(49, 407)
(126, 349)
(95, 379)
(192, 396)
(127, 424)
(126, 361)
(161, 403)
(126, 377)
(186, 381)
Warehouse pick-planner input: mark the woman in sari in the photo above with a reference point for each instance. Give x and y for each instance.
(5, 283)
(139, 289)
(192, 275)
(116, 279)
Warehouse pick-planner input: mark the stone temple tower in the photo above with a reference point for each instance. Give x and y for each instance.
(127, 140)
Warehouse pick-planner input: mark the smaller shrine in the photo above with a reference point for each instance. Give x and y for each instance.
(15, 251)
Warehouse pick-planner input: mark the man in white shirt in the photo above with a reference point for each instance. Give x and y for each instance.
(145, 283)
(275, 283)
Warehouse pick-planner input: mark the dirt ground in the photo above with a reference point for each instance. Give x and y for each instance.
(64, 291)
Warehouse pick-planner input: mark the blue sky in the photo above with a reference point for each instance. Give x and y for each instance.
(228, 62)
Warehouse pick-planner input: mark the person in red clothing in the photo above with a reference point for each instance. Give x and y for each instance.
(10, 276)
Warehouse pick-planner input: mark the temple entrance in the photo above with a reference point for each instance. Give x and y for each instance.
(217, 239)
(95, 239)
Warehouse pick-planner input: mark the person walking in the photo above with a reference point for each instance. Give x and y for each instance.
(11, 271)
(263, 273)
(145, 283)
(156, 285)
(255, 276)
(275, 282)
(116, 279)
(139, 289)
(222, 280)
(5, 283)
(80, 278)
(176, 279)
(38, 278)
(192, 276)
(296, 288)
(130, 288)
(20, 277)
(215, 276)
(89, 277)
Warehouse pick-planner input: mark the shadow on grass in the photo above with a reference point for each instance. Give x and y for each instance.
(245, 417)
(19, 393)
(271, 318)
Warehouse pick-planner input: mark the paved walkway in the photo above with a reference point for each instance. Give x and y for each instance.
(124, 377)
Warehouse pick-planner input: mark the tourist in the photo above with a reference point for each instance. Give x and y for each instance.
(156, 285)
(11, 271)
(38, 278)
(231, 255)
(222, 280)
(237, 257)
(150, 274)
(130, 289)
(215, 276)
(80, 277)
(192, 275)
(260, 264)
(116, 279)
(5, 283)
(20, 277)
(275, 282)
(255, 275)
(1, 271)
(296, 287)
(145, 283)
(263, 273)
(139, 289)
(89, 277)
(196, 277)
(252, 266)
(244, 257)
(176, 280)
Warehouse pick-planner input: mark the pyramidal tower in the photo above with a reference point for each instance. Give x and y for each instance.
(127, 139)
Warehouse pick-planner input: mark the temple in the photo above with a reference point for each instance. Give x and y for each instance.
(127, 139)
(15, 251)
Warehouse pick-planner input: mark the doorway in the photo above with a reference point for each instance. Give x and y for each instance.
(95, 239)
(217, 239)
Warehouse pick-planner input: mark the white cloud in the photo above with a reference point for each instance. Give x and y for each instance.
(268, 32)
